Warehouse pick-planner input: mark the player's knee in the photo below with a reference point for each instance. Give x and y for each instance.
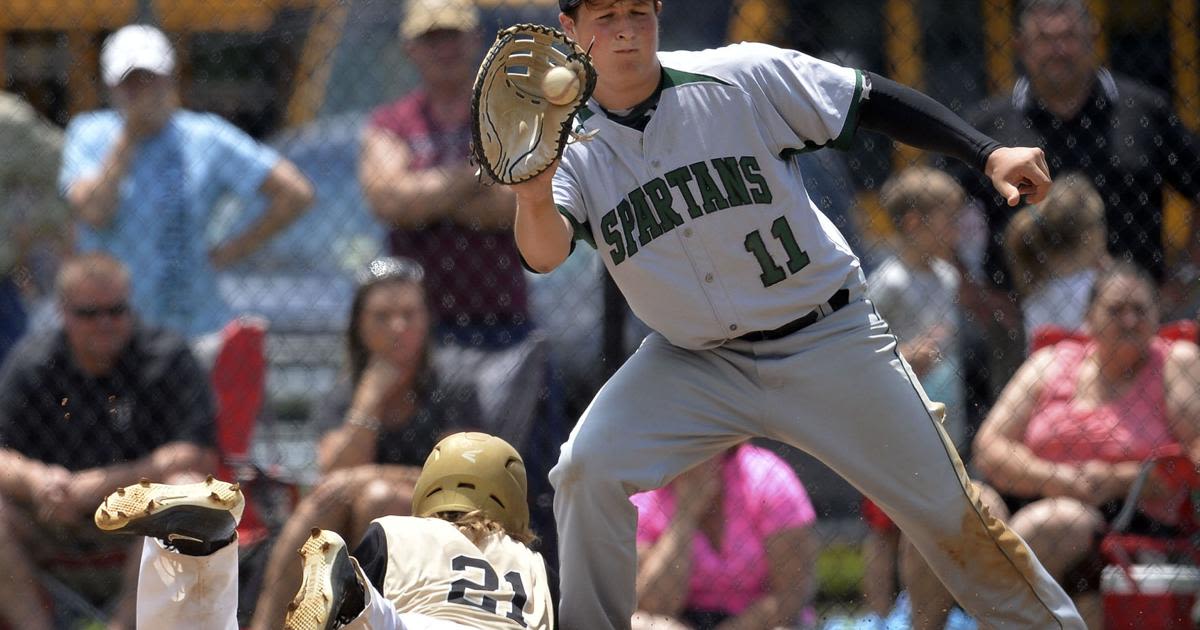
(583, 466)
(335, 488)
(382, 497)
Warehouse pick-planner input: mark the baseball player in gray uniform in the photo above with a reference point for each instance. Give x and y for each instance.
(756, 302)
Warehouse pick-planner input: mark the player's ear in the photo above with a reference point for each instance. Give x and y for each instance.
(568, 25)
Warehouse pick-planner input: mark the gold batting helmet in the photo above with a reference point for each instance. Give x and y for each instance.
(474, 471)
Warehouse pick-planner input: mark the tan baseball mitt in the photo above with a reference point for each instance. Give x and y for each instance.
(518, 128)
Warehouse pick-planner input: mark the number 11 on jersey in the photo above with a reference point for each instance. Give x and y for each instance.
(772, 273)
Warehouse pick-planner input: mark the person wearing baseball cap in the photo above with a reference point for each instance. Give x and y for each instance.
(144, 177)
(417, 179)
(424, 16)
(136, 47)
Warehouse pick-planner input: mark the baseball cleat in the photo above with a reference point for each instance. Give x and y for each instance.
(200, 513)
(329, 581)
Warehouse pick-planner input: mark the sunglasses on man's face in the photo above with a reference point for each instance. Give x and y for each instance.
(94, 312)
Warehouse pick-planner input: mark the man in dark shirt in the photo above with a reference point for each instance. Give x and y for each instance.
(98, 404)
(1117, 131)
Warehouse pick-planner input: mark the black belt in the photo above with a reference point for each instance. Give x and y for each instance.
(839, 299)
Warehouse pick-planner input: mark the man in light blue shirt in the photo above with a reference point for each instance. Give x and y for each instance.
(143, 179)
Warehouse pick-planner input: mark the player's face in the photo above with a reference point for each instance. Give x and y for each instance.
(394, 322)
(1124, 316)
(623, 37)
(145, 98)
(445, 56)
(1056, 48)
(97, 319)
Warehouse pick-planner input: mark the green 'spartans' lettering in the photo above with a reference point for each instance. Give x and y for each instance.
(760, 192)
(648, 226)
(608, 226)
(660, 197)
(678, 179)
(625, 214)
(731, 180)
(654, 209)
(710, 195)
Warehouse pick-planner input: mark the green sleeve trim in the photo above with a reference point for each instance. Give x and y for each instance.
(676, 78)
(849, 128)
(851, 125)
(582, 232)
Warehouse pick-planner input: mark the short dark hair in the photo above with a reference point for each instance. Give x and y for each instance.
(1029, 6)
(571, 7)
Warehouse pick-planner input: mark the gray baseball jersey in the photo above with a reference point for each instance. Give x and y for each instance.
(707, 229)
(707, 233)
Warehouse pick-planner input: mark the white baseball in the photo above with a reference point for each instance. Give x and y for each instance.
(560, 86)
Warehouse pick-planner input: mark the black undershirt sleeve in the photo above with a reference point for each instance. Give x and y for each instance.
(908, 116)
(372, 555)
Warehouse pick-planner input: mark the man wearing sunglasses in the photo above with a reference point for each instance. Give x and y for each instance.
(97, 404)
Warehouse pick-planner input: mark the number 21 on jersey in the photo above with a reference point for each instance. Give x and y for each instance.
(480, 594)
(771, 271)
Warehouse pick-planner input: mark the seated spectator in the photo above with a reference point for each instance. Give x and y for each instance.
(1055, 250)
(97, 404)
(144, 178)
(916, 288)
(380, 423)
(1067, 435)
(728, 544)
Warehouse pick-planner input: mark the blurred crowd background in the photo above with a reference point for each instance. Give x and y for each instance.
(243, 234)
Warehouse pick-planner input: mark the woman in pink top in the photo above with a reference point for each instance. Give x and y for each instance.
(1070, 430)
(727, 545)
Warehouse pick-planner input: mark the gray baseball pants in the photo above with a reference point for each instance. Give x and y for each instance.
(836, 389)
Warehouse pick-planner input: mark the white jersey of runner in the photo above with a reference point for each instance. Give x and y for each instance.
(707, 229)
(434, 570)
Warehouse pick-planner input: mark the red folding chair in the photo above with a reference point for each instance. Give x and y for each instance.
(239, 383)
(1152, 583)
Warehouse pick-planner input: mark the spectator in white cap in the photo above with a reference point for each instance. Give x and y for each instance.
(143, 179)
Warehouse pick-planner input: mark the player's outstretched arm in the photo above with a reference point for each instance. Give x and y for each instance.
(916, 119)
(543, 235)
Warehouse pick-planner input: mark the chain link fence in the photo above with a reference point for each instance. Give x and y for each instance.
(315, 137)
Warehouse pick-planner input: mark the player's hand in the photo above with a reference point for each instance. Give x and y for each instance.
(1019, 172)
(86, 490)
(381, 378)
(1106, 481)
(536, 188)
(222, 256)
(49, 491)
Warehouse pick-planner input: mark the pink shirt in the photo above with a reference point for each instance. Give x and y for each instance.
(1130, 428)
(762, 496)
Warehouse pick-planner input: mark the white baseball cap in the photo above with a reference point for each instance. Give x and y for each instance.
(135, 47)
